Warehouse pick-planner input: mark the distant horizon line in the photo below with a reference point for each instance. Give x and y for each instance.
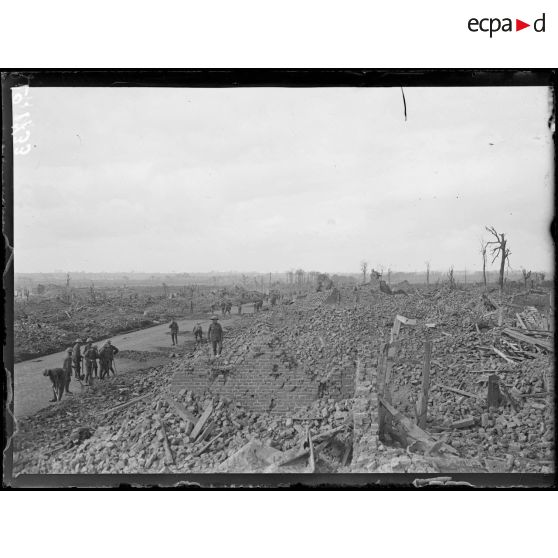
(234, 272)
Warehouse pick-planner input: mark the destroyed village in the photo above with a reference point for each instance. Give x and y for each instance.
(372, 371)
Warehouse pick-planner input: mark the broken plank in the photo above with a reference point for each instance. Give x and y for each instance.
(206, 446)
(201, 422)
(528, 339)
(406, 321)
(311, 460)
(520, 321)
(324, 435)
(412, 430)
(124, 405)
(422, 403)
(207, 432)
(169, 458)
(460, 391)
(502, 355)
(464, 423)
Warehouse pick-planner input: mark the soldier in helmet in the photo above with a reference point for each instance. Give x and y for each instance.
(215, 335)
(90, 356)
(174, 331)
(198, 334)
(76, 359)
(106, 358)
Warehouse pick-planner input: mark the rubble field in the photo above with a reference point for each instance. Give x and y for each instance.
(489, 402)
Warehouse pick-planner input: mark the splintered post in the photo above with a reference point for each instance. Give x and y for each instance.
(422, 403)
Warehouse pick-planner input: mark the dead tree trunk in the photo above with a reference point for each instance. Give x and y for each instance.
(500, 249)
(483, 248)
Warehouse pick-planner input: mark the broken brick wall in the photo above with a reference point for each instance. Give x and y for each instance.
(266, 379)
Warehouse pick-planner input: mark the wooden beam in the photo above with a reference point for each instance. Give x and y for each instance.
(206, 446)
(493, 396)
(412, 431)
(124, 405)
(422, 403)
(520, 321)
(502, 355)
(311, 460)
(528, 339)
(169, 458)
(459, 391)
(201, 422)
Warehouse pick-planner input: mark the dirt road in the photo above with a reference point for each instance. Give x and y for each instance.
(32, 390)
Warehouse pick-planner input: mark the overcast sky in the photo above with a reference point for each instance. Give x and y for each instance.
(270, 179)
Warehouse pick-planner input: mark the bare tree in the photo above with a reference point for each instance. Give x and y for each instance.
(427, 272)
(389, 276)
(364, 269)
(499, 249)
(451, 278)
(526, 275)
(483, 247)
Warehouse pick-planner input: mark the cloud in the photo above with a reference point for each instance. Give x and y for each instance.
(270, 179)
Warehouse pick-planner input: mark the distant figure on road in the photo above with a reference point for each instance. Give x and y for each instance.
(67, 367)
(198, 333)
(228, 308)
(239, 308)
(76, 359)
(215, 335)
(223, 308)
(191, 307)
(106, 358)
(174, 332)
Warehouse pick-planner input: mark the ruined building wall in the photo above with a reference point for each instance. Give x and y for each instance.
(265, 379)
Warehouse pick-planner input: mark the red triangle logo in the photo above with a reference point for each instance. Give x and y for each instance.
(519, 25)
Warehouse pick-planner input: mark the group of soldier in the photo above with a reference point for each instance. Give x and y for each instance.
(226, 306)
(214, 334)
(77, 361)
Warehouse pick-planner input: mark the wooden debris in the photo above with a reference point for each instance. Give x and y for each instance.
(501, 354)
(206, 446)
(459, 391)
(493, 396)
(464, 423)
(201, 422)
(124, 405)
(206, 433)
(346, 455)
(162, 435)
(528, 339)
(329, 433)
(414, 434)
(422, 403)
(311, 461)
(520, 321)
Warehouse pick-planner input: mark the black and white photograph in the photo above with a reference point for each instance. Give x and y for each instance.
(333, 281)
